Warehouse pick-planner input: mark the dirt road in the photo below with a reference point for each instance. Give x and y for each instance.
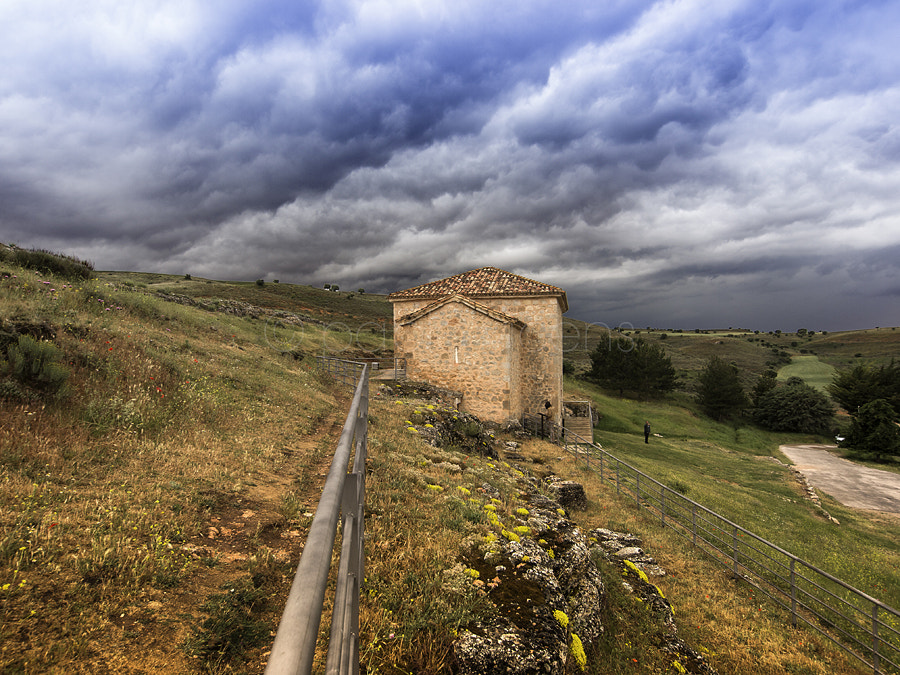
(851, 484)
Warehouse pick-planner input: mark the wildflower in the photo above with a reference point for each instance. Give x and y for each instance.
(410, 428)
(511, 536)
(523, 530)
(634, 568)
(677, 666)
(561, 618)
(576, 649)
(522, 511)
(435, 488)
(490, 507)
(429, 426)
(469, 572)
(465, 491)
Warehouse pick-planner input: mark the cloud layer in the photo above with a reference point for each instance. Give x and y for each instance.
(668, 163)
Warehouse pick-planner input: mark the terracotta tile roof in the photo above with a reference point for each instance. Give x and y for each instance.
(481, 283)
(471, 304)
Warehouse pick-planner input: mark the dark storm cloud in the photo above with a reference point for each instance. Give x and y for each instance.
(657, 159)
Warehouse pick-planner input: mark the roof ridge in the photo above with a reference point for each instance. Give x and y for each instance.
(482, 282)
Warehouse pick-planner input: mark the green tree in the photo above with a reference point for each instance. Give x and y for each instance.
(853, 389)
(764, 384)
(635, 366)
(796, 407)
(719, 391)
(874, 433)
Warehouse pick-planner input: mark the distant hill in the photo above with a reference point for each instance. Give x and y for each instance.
(752, 352)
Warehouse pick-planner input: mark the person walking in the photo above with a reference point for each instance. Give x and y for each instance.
(646, 432)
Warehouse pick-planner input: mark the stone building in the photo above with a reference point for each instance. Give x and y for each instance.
(494, 336)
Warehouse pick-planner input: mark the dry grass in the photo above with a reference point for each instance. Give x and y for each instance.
(186, 461)
(740, 630)
(185, 456)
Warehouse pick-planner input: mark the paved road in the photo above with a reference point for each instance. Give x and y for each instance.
(853, 485)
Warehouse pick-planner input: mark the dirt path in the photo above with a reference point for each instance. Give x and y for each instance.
(853, 485)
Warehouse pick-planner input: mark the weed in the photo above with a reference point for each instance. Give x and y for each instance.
(233, 623)
(36, 363)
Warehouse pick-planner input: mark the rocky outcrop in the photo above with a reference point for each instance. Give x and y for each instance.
(625, 550)
(547, 590)
(239, 308)
(541, 575)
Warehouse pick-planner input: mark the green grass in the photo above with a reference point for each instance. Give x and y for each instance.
(809, 369)
(730, 470)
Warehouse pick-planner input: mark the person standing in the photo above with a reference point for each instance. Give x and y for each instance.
(646, 432)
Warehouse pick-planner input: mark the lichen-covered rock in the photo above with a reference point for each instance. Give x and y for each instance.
(448, 428)
(537, 578)
(569, 494)
(506, 650)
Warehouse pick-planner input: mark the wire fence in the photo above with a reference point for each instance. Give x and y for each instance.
(862, 626)
(344, 493)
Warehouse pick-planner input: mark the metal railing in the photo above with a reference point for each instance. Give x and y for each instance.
(859, 624)
(347, 371)
(295, 642)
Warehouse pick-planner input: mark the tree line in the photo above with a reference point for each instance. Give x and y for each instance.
(869, 394)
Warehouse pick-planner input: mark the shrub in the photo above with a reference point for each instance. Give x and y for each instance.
(233, 625)
(260, 282)
(794, 406)
(36, 364)
(46, 262)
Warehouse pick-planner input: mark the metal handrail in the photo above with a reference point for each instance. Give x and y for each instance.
(295, 642)
(867, 628)
(345, 371)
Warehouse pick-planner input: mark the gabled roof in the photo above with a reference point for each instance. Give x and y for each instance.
(471, 304)
(485, 282)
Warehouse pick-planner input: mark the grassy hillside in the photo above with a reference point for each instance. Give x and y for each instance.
(350, 307)
(157, 485)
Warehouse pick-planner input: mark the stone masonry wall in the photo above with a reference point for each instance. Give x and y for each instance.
(542, 355)
(464, 350)
(495, 387)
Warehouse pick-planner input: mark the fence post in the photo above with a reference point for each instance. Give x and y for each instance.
(637, 490)
(618, 479)
(734, 549)
(662, 504)
(693, 524)
(876, 659)
(794, 592)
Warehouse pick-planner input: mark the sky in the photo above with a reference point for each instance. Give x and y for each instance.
(675, 164)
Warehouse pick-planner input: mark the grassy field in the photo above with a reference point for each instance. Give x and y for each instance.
(809, 369)
(730, 469)
(152, 510)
